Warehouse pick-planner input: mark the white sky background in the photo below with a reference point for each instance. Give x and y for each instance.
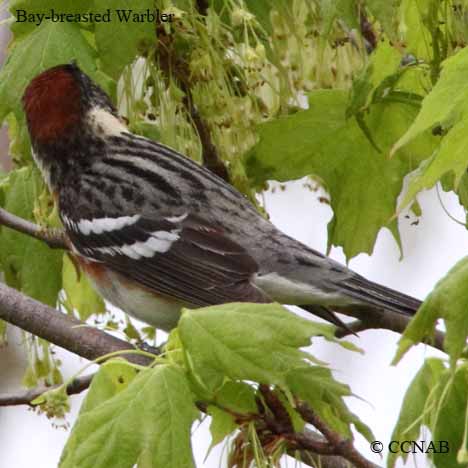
(430, 249)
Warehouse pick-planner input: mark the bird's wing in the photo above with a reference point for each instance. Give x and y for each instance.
(182, 257)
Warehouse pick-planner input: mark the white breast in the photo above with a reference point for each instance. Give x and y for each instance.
(156, 311)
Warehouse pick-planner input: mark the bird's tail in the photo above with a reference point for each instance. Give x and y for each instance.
(376, 295)
(368, 295)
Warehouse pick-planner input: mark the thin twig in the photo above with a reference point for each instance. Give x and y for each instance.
(340, 445)
(173, 65)
(273, 422)
(276, 419)
(308, 447)
(54, 238)
(211, 158)
(25, 397)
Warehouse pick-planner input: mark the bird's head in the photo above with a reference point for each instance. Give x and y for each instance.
(66, 110)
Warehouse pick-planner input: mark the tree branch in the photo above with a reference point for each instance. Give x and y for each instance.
(309, 457)
(54, 238)
(25, 397)
(343, 447)
(273, 425)
(60, 329)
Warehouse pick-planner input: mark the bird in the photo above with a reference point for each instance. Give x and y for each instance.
(157, 232)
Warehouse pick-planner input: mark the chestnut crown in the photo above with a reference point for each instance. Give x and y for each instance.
(56, 101)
